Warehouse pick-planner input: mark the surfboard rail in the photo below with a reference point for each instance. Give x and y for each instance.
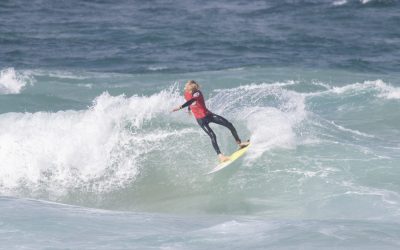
(233, 157)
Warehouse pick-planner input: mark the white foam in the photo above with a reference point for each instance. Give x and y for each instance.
(87, 85)
(260, 86)
(321, 84)
(157, 68)
(353, 131)
(97, 149)
(12, 82)
(383, 89)
(339, 2)
(270, 112)
(390, 198)
(77, 75)
(343, 2)
(365, 1)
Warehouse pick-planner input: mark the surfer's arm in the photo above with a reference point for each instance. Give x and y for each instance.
(196, 96)
(186, 104)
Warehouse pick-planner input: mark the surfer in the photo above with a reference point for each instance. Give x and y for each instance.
(195, 103)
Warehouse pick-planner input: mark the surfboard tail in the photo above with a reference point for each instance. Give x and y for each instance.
(233, 157)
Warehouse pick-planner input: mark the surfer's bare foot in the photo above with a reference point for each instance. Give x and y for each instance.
(223, 158)
(244, 144)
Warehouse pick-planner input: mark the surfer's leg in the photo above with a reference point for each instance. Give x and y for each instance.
(204, 125)
(224, 122)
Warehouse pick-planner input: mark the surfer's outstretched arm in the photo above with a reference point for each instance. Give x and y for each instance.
(186, 104)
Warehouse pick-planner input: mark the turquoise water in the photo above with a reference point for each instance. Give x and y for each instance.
(54, 226)
(92, 158)
(322, 171)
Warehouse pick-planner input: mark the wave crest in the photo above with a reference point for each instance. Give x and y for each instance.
(12, 82)
(96, 149)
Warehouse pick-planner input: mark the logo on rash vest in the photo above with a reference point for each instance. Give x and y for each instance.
(197, 94)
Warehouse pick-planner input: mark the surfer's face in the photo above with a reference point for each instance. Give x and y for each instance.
(188, 87)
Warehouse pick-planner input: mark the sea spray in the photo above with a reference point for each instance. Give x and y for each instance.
(70, 149)
(13, 82)
(130, 152)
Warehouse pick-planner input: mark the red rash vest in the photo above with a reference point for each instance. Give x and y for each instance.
(198, 107)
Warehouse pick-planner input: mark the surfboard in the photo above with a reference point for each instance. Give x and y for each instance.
(233, 157)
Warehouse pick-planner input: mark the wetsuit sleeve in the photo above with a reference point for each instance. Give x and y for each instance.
(196, 95)
(188, 103)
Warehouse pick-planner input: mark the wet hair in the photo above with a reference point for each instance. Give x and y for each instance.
(194, 85)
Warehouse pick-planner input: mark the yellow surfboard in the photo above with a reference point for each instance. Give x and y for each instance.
(233, 157)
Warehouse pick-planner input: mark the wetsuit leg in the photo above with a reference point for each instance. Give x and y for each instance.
(224, 122)
(204, 125)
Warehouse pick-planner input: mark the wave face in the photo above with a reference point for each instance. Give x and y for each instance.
(86, 89)
(322, 171)
(320, 150)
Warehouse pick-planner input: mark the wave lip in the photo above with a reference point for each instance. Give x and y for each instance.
(271, 112)
(95, 149)
(384, 90)
(131, 153)
(12, 82)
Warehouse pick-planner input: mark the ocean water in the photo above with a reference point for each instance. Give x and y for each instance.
(92, 158)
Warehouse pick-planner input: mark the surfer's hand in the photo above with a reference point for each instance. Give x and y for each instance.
(176, 109)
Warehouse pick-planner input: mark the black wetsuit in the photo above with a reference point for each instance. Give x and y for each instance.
(210, 117)
(204, 124)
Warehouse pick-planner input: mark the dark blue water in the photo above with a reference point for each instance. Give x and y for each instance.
(140, 36)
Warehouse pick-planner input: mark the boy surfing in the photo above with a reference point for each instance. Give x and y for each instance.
(196, 104)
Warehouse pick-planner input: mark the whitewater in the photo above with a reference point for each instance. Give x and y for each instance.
(91, 156)
(323, 168)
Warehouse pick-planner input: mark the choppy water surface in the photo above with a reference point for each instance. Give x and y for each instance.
(142, 36)
(91, 157)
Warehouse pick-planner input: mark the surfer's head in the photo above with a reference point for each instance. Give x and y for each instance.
(192, 86)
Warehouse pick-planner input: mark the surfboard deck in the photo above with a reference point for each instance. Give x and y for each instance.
(233, 157)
